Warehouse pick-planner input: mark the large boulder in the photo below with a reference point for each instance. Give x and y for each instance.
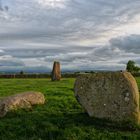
(22, 100)
(110, 95)
(56, 72)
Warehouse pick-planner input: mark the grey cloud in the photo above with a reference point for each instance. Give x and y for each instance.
(128, 44)
(31, 32)
(81, 19)
(107, 57)
(44, 52)
(10, 63)
(3, 7)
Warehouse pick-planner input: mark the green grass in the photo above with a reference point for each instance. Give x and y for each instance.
(138, 81)
(60, 118)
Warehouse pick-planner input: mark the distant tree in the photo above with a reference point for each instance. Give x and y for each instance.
(21, 72)
(77, 72)
(92, 72)
(131, 66)
(136, 69)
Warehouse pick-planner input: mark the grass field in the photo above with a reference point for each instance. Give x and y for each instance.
(60, 118)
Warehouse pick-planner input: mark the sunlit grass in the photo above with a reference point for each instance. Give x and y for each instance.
(60, 118)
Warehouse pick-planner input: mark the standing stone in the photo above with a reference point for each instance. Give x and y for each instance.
(111, 95)
(56, 72)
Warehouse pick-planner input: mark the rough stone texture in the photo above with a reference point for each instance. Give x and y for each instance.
(111, 95)
(56, 72)
(23, 100)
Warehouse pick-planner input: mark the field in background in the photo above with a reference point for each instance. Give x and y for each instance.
(61, 118)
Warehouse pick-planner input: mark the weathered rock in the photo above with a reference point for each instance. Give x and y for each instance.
(23, 100)
(111, 95)
(56, 72)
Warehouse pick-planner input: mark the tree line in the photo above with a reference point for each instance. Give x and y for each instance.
(130, 67)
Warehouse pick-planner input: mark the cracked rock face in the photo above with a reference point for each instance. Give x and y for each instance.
(110, 95)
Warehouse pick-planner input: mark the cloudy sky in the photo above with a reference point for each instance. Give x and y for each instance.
(81, 34)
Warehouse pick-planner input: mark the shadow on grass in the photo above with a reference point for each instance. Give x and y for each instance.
(67, 120)
(43, 124)
(83, 120)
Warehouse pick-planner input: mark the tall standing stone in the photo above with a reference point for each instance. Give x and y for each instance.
(111, 95)
(56, 72)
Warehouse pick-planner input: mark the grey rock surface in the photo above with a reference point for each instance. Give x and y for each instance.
(110, 95)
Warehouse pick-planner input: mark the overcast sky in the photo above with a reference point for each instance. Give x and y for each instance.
(81, 34)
